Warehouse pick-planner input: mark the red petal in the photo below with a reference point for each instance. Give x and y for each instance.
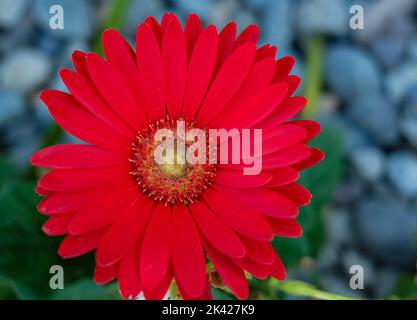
(256, 107)
(283, 68)
(287, 157)
(112, 87)
(285, 227)
(244, 221)
(311, 127)
(281, 137)
(102, 210)
(200, 70)
(299, 195)
(257, 270)
(227, 82)
(282, 176)
(239, 180)
(250, 34)
(80, 63)
(226, 40)
(174, 58)
(149, 61)
(257, 79)
(293, 83)
(192, 31)
(267, 51)
(69, 202)
(188, 258)
(69, 115)
(73, 246)
(156, 29)
(103, 275)
(57, 225)
(161, 290)
(157, 246)
(315, 157)
(278, 269)
(288, 109)
(125, 232)
(68, 156)
(260, 251)
(218, 234)
(130, 284)
(79, 179)
(85, 92)
(231, 274)
(262, 200)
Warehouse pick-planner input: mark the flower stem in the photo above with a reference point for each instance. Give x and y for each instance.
(314, 76)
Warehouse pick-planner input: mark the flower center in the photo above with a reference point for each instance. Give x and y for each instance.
(172, 180)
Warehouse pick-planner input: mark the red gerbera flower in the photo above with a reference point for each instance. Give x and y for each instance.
(148, 223)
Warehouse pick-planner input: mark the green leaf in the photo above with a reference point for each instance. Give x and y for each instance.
(299, 288)
(86, 289)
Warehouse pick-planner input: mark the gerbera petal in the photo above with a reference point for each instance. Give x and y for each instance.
(311, 127)
(85, 92)
(114, 91)
(257, 270)
(266, 51)
(293, 82)
(260, 251)
(161, 290)
(103, 275)
(102, 210)
(80, 63)
(149, 61)
(69, 202)
(249, 34)
(157, 247)
(200, 70)
(288, 109)
(278, 268)
(205, 295)
(130, 283)
(227, 81)
(288, 228)
(192, 30)
(238, 180)
(231, 274)
(188, 258)
(174, 58)
(68, 156)
(282, 176)
(281, 137)
(82, 124)
(57, 225)
(125, 232)
(74, 246)
(315, 157)
(259, 76)
(240, 219)
(299, 195)
(283, 68)
(256, 108)
(218, 234)
(226, 41)
(156, 28)
(78, 179)
(262, 200)
(287, 157)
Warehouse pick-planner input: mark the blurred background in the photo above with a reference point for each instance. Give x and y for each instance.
(361, 85)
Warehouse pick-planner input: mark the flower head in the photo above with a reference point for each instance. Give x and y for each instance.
(150, 222)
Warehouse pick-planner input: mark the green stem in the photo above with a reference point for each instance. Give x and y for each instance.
(314, 76)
